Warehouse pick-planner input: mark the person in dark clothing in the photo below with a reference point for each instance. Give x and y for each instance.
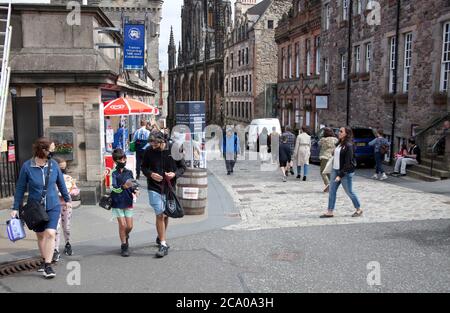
(344, 164)
(291, 138)
(123, 191)
(159, 166)
(285, 156)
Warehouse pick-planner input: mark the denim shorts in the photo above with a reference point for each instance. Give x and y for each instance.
(53, 218)
(157, 201)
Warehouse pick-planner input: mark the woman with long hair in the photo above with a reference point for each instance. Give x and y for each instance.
(343, 170)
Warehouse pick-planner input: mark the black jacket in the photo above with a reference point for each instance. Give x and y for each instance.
(157, 161)
(285, 154)
(416, 151)
(347, 161)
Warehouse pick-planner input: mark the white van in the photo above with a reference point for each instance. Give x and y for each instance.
(256, 128)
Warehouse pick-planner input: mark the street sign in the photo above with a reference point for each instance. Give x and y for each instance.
(322, 102)
(134, 47)
(192, 114)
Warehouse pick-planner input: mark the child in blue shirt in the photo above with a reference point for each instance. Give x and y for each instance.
(122, 194)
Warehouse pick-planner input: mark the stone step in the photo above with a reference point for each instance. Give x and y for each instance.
(421, 176)
(425, 169)
(437, 163)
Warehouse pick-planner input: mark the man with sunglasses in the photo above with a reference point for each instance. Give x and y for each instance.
(158, 166)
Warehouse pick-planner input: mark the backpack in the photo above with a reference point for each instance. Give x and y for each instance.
(384, 148)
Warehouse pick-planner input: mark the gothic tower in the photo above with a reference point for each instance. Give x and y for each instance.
(172, 51)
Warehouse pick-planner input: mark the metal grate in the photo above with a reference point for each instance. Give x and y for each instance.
(10, 268)
(8, 175)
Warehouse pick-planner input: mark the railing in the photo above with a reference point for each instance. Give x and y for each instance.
(9, 171)
(429, 139)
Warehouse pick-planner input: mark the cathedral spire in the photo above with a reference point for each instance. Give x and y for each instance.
(172, 41)
(172, 50)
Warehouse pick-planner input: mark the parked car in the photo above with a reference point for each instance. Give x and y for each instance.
(256, 127)
(362, 136)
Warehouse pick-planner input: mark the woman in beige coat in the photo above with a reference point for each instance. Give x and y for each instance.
(327, 145)
(302, 152)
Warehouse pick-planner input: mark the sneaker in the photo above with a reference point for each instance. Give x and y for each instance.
(375, 176)
(49, 272)
(383, 177)
(68, 249)
(292, 172)
(41, 267)
(158, 242)
(304, 178)
(298, 176)
(284, 179)
(56, 256)
(124, 250)
(163, 250)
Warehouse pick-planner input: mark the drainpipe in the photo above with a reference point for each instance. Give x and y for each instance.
(349, 58)
(394, 104)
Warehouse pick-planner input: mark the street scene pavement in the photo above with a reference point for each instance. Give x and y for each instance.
(266, 241)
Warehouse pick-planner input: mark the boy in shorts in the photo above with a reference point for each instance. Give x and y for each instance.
(122, 194)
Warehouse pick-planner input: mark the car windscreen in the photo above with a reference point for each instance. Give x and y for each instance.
(362, 133)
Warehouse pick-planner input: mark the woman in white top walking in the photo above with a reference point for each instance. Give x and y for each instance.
(344, 165)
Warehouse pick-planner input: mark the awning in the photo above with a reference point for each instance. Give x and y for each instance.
(127, 106)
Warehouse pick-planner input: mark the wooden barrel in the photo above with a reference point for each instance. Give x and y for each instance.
(192, 191)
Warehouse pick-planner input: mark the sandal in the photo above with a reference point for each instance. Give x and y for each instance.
(356, 214)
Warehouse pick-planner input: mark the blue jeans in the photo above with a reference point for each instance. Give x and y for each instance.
(379, 163)
(347, 183)
(305, 170)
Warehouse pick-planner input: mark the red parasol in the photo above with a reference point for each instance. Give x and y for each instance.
(127, 106)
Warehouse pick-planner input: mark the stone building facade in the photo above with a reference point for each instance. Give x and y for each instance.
(196, 69)
(251, 59)
(299, 61)
(150, 11)
(423, 51)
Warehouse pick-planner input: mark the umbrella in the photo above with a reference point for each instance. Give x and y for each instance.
(127, 106)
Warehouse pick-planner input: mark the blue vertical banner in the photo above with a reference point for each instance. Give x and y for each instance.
(134, 47)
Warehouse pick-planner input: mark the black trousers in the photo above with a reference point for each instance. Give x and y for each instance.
(139, 157)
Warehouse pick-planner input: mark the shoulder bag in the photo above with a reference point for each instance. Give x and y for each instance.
(173, 207)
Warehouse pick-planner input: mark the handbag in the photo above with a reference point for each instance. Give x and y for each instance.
(34, 212)
(328, 167)
(173, 207)
(106, 202)
(15, 229)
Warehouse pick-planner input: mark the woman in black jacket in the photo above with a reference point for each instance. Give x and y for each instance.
(344, 165)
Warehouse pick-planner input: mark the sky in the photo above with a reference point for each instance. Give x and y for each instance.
(171, 15)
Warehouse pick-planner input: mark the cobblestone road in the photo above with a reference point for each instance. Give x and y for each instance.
(266, 202)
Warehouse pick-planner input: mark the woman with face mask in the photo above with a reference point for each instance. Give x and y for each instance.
(33, 176)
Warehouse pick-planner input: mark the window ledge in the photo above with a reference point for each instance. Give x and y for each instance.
(440, 98)
(364, 76)
(402, 98)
